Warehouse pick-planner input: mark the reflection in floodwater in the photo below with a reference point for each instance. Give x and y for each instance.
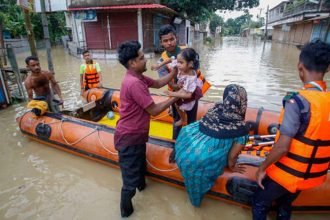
(40, 182)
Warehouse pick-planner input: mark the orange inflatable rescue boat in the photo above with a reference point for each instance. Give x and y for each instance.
(88, 132)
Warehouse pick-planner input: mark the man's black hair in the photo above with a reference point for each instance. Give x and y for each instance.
(85, 51)
(315, 56)
(189, 54)
(28, 59)
(127, 51)
(166, 29)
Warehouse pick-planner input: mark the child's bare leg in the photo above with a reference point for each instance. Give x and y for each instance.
(183, 117)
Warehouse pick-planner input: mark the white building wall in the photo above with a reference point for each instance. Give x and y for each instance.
(51, 5)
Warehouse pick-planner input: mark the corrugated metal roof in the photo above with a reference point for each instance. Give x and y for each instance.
(143, 6)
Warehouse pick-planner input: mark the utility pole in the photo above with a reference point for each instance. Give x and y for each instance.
(266, 26)
(2, 44)
(29, 31)
(46, 36)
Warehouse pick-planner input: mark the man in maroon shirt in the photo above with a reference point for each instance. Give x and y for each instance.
(136, 106)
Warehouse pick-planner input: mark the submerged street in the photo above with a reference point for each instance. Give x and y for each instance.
(41, 182)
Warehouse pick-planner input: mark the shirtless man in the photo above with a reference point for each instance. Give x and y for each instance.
(38, 82)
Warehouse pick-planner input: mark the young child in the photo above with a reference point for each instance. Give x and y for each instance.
(186, 64)
(299, 159)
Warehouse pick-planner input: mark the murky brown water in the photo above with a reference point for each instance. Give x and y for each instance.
(40, 182)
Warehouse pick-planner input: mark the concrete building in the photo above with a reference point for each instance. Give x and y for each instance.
(102, 25)
(300, 21)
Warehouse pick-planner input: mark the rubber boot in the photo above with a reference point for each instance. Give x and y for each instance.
(126, 206)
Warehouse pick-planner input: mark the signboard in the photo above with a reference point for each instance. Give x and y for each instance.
(26, 4)
(86, 16)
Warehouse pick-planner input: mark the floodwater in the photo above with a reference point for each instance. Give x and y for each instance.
(41, 182)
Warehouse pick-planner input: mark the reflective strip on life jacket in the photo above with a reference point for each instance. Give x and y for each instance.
(306, 164)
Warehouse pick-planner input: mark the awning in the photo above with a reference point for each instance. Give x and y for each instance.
(116, 7)
(318, 18)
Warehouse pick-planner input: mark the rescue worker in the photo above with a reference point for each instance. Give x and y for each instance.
(168, 40)
(300, 157)
(90, 73)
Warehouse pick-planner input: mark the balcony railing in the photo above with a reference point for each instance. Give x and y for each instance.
(291, 10)
(299, 8)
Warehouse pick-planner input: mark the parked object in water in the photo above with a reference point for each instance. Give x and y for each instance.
(93, 138)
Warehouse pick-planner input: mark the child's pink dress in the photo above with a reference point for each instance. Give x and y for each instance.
(189, 84)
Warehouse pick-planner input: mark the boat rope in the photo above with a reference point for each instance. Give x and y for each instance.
(77, 141)
(49, 123)
(103, 146)
(160, 170)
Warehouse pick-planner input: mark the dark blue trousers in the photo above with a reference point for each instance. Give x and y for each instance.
(263, 199)
(132, 161)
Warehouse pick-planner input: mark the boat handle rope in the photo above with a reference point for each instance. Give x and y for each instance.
(77, 141)
(113, 153)
(103, 146)
(160, 170)
(148, 162)
(49, 123)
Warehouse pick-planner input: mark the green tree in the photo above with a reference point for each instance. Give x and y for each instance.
(215, 21)
(12, 19)
(201, 10)
(234, 26)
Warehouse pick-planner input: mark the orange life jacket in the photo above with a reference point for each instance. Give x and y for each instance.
(92, 78)
(200, 76)
(306, 164)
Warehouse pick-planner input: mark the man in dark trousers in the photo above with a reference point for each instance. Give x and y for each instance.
(136, 106)
(300, 157)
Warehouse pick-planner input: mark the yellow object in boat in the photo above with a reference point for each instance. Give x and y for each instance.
(158, 129)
